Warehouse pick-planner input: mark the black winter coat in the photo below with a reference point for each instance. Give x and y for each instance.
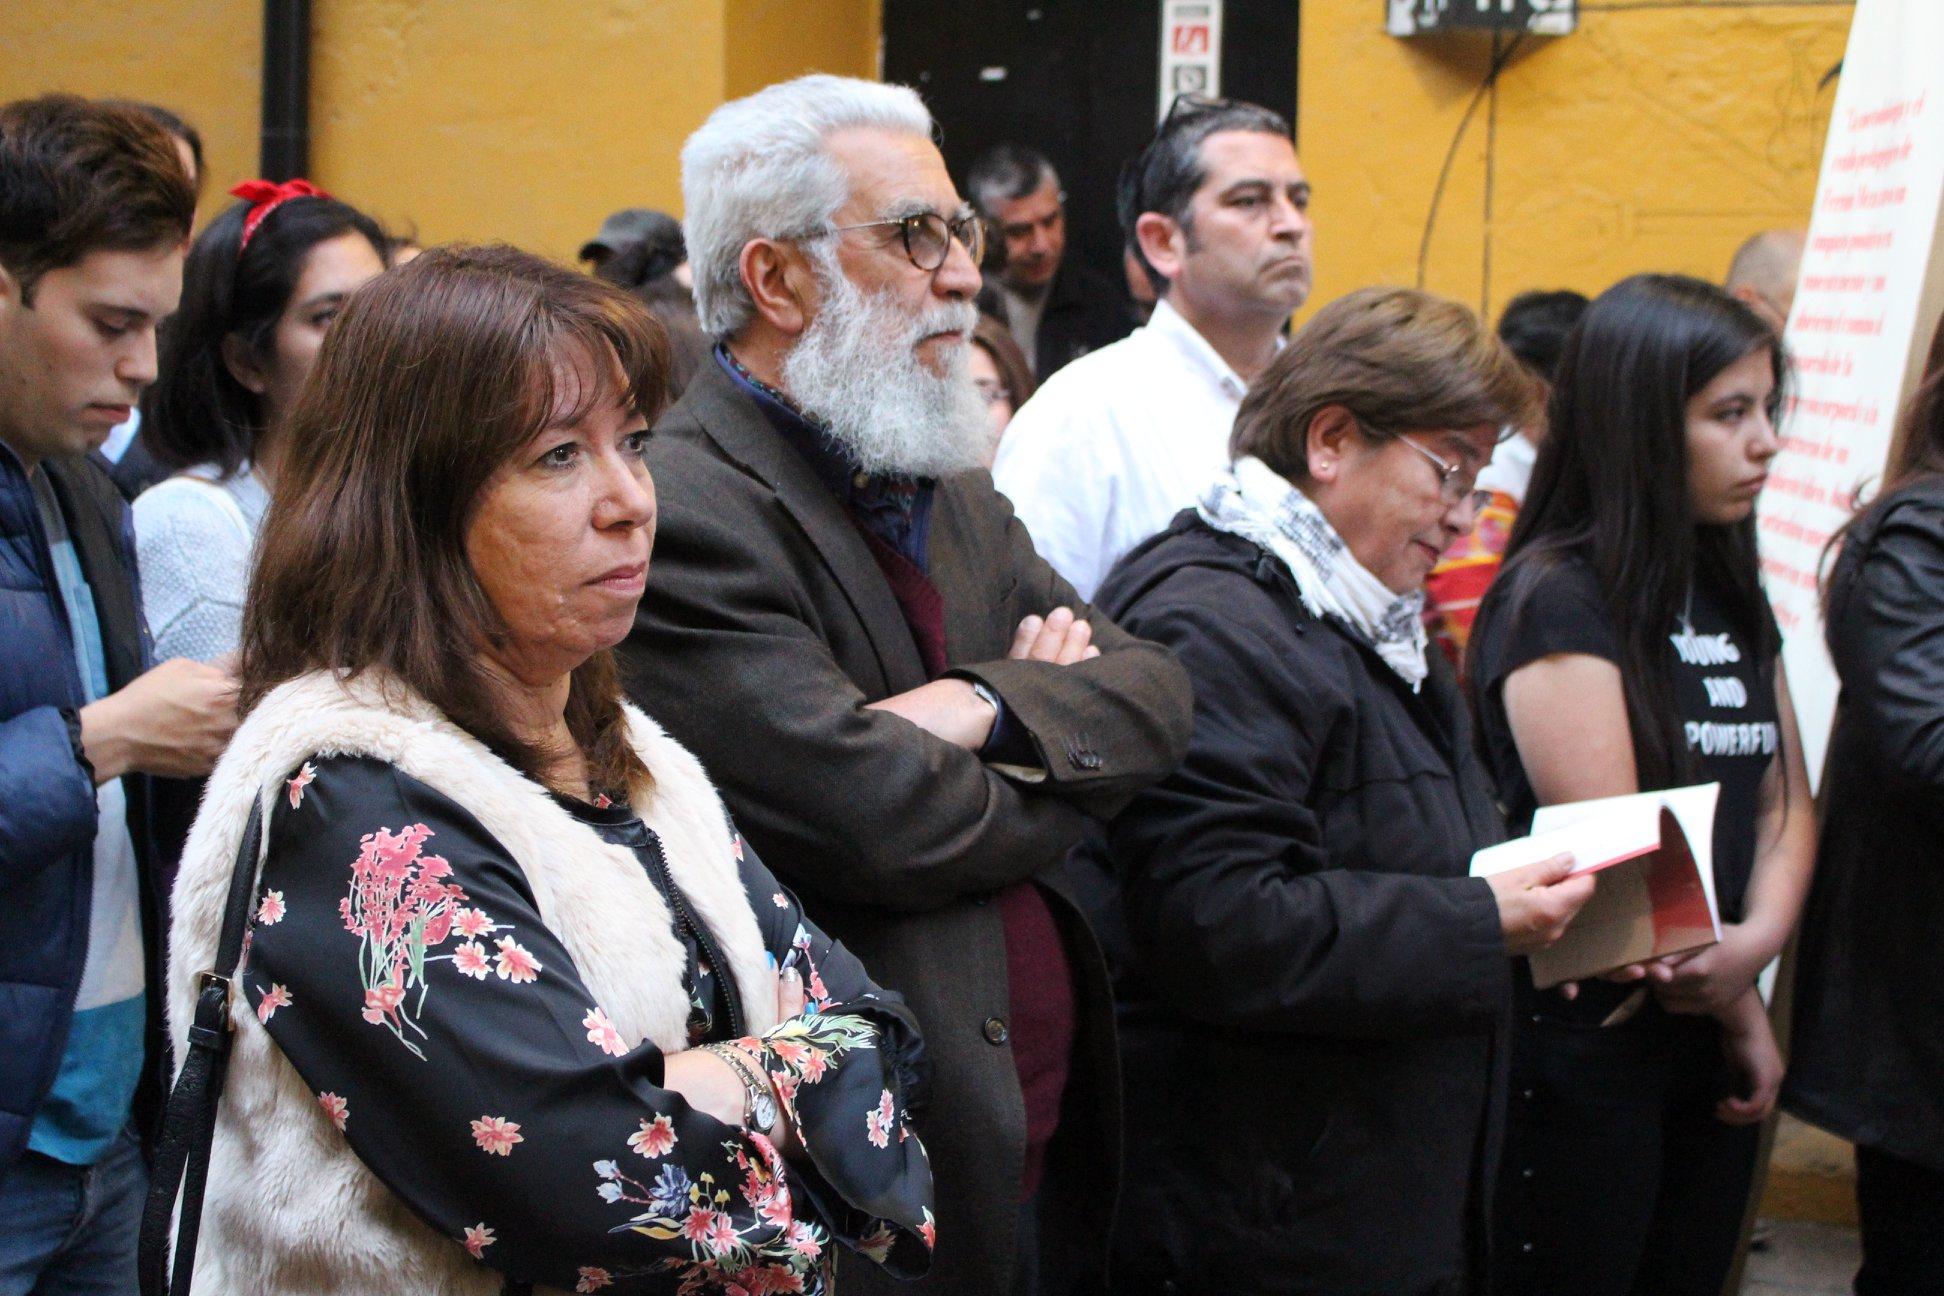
(1867, 1058)
(1315, 994)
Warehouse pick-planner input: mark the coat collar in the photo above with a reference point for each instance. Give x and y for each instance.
(731, 421)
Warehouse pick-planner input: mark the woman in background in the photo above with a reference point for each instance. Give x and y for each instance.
(1868, 1045)
(1627, 646)
(260, 288)
(1000, 372)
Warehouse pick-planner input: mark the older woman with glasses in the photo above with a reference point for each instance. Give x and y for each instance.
(1316, 991)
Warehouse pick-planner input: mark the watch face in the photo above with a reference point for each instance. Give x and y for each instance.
(764, 1111)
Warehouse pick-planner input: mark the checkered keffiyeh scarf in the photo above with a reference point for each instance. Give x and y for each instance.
(1255, 502)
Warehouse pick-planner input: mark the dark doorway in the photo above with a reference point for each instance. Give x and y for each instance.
(1075, 79)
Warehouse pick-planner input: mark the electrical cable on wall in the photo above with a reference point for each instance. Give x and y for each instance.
(1499, 59)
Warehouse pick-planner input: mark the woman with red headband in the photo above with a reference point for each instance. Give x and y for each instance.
(260, 287)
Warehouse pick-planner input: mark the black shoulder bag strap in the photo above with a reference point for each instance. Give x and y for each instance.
(189, 1118)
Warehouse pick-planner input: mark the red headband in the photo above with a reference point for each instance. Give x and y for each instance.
(265, 197)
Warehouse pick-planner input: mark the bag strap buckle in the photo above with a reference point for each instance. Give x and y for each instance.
(211, 1029)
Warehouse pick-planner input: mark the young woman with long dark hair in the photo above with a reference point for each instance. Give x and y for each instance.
(1868, 1045)
(1627, 646)
(260, 287)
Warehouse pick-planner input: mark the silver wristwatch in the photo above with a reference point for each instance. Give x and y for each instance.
(759, 1104)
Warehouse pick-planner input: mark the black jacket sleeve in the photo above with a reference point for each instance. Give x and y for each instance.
(1889, 647)
(1238, 914)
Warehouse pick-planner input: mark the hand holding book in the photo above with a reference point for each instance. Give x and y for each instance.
(1537, 902)
(1651, 853)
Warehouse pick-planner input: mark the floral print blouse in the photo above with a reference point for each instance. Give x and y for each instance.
(398, 959)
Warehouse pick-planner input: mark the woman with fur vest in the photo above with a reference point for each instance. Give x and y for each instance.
(519, 1007)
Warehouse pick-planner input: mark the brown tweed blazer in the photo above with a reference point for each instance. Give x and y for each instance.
(765, 629)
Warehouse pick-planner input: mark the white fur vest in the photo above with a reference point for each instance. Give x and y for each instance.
(290, 1209)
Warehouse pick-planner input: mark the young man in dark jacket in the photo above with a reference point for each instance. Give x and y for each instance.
(95, 209)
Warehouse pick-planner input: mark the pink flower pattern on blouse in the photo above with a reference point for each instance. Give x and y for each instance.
(601, 1031)
(655, 1138)
(305, 777)
(496, 1135)
(513, 963)
(274, 998)
(270, 910)
(336, 1108)
(593, 1279)
(478, 1238)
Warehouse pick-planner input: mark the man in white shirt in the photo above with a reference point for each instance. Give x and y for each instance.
(1119, 441)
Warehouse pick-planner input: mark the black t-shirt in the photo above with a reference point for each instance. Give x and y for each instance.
(1722, 687)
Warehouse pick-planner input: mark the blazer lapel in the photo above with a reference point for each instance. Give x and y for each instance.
(729, 418)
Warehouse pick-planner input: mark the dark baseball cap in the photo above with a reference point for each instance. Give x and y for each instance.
(631, 225)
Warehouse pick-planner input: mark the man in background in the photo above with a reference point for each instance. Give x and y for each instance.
(1056, 310)
(95, 208)
(1115, 444)
(1763, 274)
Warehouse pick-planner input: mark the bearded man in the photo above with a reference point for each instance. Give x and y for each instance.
(912, 716)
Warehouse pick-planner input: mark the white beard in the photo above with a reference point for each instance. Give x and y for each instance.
(856, 370)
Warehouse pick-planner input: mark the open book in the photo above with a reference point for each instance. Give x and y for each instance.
(1654, 852)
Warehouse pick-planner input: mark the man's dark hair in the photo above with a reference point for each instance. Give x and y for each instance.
(78, 176)
(169, 120)
(1005, 172)
(1164, 176)
(1535, 325)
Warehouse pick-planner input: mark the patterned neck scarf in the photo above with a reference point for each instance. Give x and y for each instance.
(1253, 501)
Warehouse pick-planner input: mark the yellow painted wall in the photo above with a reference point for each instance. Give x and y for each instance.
(201, 58)
(1650, 139)
(519, 120)
(786, 38)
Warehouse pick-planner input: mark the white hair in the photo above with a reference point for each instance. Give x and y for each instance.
(757, 168)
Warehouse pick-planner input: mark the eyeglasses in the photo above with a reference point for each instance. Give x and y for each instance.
(1189, 104)
(928, 236)
(1456, 484)
(991, 392)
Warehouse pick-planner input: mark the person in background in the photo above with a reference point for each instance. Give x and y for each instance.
(1055, 308)
(653, 265)
(1115, 444)
(127, 458)
(1140, 288)
(94, 211)
(620, 231)
(1869, 1007)
(1002, 376)
(1316, 993)
(402, 249)
(1534, 327)
(1763, 275)
(1627, 646)
(912, 715)
(261, 287)
(518, 1003)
